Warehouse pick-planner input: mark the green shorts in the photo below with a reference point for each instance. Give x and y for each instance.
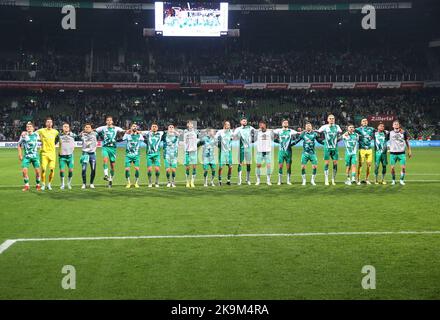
(225, 158)
(381, 158)
(170, 161)
(153, 159)
(245, 155)
(25, 163)
(190, 158)
(110, 153)
(350, 159)
(306, 157)
(66, 161)
(132, 159)
(401, 158)
(284, 156)
(331, 153)
(265, 157)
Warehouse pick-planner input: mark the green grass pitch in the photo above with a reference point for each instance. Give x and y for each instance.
(309, 267)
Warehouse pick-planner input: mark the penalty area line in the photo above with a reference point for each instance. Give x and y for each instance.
(8, 243)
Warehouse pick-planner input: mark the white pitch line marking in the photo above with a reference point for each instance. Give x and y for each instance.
(8, 243)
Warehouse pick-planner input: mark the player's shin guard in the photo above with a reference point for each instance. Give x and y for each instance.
(212, 175)
(168, 176)
(229, 173)
(303, 174)
(313, 174)
(69, 177)
(51, 175)
(26, 181)
(149, 177)
(326, 172)
(393, 174)
(239, 173)
(127, 174)
(173, 175)
(384, 171)
(220, 174)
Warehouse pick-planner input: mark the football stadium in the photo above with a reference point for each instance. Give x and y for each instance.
(242, 150)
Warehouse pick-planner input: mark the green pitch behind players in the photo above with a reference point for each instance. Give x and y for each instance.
(380, 145)
(285, 136)
(224, 138)
(109, 133)
(351, 141)
(67, 147)
(170, 153)
(209, 144)
(133, 137)
(28, 144)
(331, 132)
(153, 139)
(309, 138)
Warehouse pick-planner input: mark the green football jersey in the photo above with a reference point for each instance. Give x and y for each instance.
(225, 137)
(351, 143)
(171, 145)
(365, 137)
(245, 134)
(331, 135)
(285, 137)
(380, 141)
(153, 140)
(29, 143)
(209, 144)
(133, 144)
(309, 139)
(109, 135)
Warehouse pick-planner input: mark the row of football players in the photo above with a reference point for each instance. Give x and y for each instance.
(359, 142)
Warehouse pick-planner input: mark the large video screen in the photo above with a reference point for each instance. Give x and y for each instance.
(191, 19)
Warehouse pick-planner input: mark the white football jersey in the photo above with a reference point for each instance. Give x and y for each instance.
(264, 140)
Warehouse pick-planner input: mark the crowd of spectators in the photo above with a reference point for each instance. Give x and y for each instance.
(231, 64)
(418, 111)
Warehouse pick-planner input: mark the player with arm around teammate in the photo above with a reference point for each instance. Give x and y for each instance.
(285, 136)
(109, 133)
(133, 138)
(28, 154)
(209, 143)
(399, 143)
(224, 138)
(88, 155)
(49, 137)
(351, 142)
(381, 138)
(190, 140)
(366, 137)
(170, 153)
(331, 134)
(66, 149)
(245, 134)
(264, 140)
(309, 137)
(153, 139)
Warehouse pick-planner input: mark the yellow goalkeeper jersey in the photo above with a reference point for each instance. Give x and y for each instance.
(47, 137)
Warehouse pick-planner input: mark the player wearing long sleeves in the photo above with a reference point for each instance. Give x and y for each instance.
(285, 136)
(399, 143)
(264, 140)
(331, 134)
(190, 140)
(245, 134)
(153, 139)
(381, 138)
(133, 138)
(88, 156)
(67, 147)
(170, 153)
(109, 133)
(28, 154)
(309, 139)
(48, 137)
(224, 138)
(366, 138)
(209, 144)
(351, 142)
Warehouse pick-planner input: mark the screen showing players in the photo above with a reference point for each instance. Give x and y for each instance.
(191, 19)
